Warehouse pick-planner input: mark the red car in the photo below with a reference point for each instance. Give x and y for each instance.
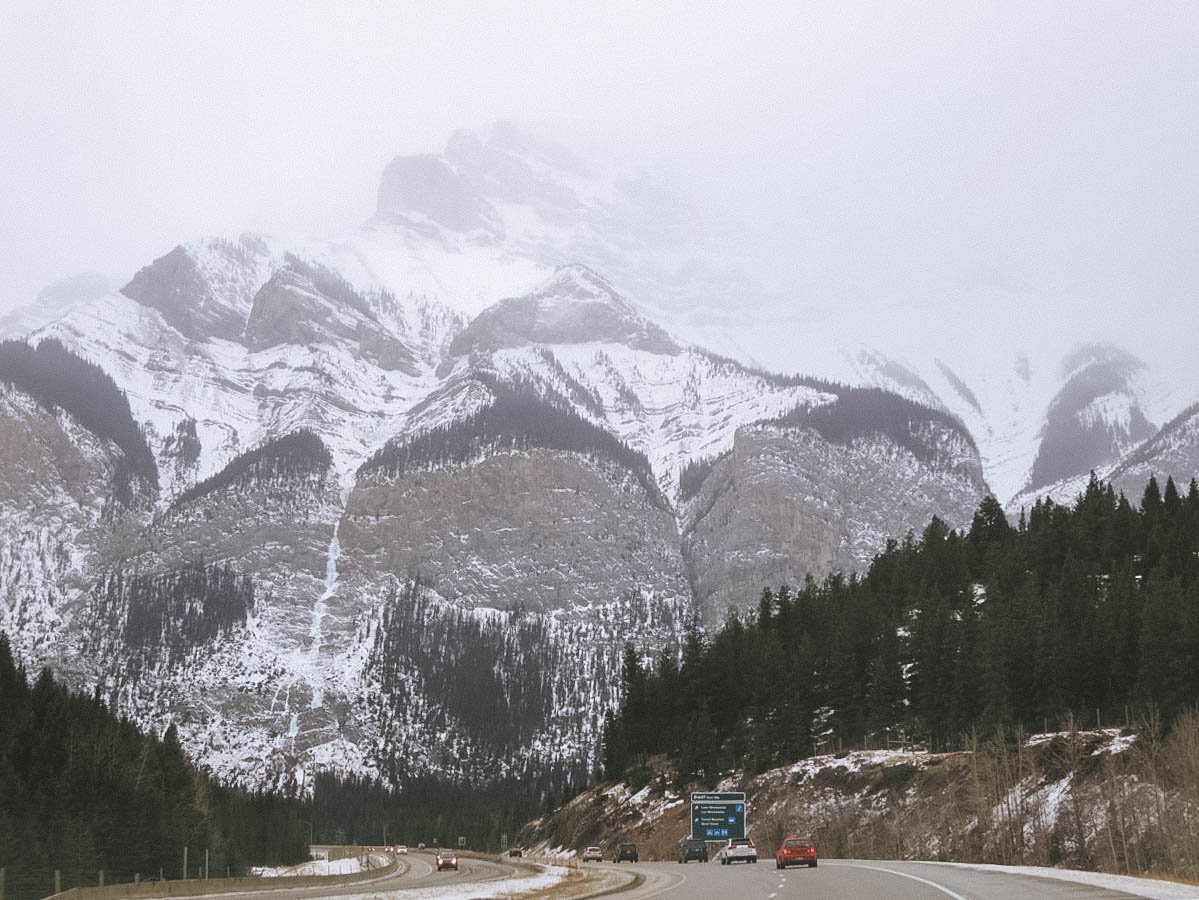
(796, 851)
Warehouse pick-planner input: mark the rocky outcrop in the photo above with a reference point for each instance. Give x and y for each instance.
(1095, 418)
(544, 531)
(427, 186)
(1083, 799)
(203, 294)
(786, 503)
(575, 306)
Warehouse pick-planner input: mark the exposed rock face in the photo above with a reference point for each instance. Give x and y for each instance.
(202, 295)
(278, 686)
(575, 306)
(524, 560)
(1095, 418)
(427, 186)
(786, 503)
(55, 485)
(1171, 453)
(542, 531)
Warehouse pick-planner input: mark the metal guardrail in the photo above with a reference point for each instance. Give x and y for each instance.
(196, 887)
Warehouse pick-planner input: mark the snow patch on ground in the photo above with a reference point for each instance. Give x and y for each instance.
(316, 867)
(549, 877)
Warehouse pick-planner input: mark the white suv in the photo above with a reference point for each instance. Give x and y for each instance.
(593, 854)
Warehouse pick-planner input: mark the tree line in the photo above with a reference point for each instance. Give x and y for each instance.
(1087, 611)
(295, 456)
(57, 378)
(522, 415)
(163, 615)
(82, 790)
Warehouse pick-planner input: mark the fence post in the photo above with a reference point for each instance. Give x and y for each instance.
(58, 881)
(101, 878)
(185, 862)
(3, 870)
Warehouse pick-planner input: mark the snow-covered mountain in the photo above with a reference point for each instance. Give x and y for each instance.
(413, 488)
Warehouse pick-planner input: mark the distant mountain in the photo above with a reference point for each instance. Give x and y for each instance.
(418, 485)
(52, 302)
(1171, 453)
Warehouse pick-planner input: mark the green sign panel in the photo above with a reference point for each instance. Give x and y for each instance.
(718, 816)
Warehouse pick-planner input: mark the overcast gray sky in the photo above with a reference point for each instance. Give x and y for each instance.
(850, 153)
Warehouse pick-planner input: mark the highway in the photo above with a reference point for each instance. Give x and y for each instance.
(834, 879)
(416, 870)
(857, 880)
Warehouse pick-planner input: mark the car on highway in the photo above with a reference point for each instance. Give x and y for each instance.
(738, 850)
(401, 848)
(693, 849)
(796, 851)
(516, 851)
(447, 859)
(593, 854)
(626, 853)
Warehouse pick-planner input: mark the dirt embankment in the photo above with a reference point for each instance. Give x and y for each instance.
(1108, 800)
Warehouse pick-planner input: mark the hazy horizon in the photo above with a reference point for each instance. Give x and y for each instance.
(876, 164)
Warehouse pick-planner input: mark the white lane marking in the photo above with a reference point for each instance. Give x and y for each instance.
(667, 887)
(939, 887)
(771, 896)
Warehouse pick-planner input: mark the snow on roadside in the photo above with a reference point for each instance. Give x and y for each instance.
(549, 877)
(315, 867)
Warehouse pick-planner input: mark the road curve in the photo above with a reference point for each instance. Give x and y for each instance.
(859, 879)
(417, 870)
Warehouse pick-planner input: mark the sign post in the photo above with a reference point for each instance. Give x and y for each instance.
(718, 816)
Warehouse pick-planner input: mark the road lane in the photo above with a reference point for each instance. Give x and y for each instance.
(856, 880)
(418, 870)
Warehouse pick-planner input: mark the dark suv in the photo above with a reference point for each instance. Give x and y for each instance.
(693, 849)
(626, 853)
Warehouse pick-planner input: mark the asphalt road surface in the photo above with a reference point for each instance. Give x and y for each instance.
(417, 870)
(852, 880)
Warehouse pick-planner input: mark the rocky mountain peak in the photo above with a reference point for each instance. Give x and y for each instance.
(204, 290)
(1095, 417)
(573, 306)
(429, 187)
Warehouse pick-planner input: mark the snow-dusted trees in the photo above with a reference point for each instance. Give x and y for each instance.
(58, 378)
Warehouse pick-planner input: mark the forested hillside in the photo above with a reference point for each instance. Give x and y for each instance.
(57, 377)
(522, 415)
(82, 791)
(1090, 611)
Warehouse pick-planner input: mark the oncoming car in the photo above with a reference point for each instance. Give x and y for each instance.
(447, 859)
(796, 851)
(626, 853)
(593, 854)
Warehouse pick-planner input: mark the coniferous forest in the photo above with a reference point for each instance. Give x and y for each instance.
(82, 790)
(1088, 612)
